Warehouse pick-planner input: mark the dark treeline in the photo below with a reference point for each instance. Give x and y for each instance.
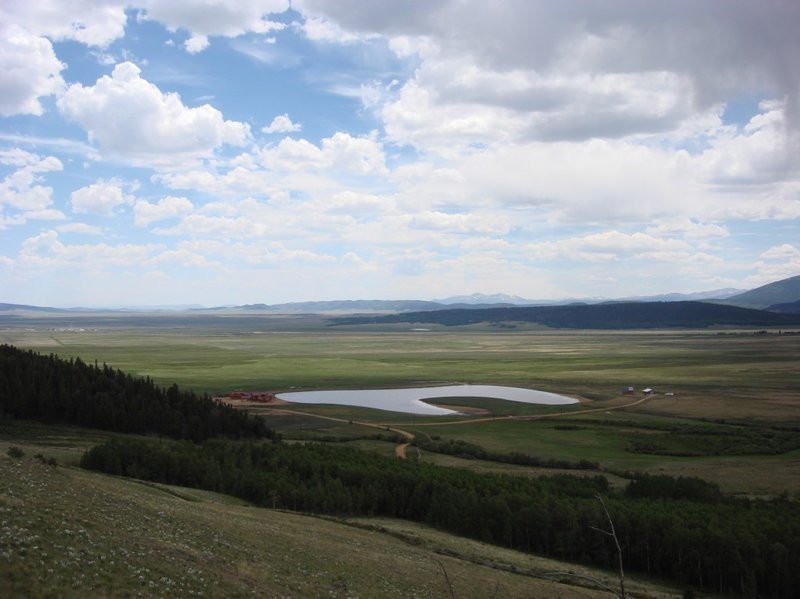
(464, 449)
(622, 315)
(51, 389)
(699, 442)
(681, 529)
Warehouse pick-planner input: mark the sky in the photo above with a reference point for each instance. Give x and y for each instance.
(219, 152)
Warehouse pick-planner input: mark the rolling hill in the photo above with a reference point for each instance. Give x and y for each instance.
(785, 291)
(72, 533)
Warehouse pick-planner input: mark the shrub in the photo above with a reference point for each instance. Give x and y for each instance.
(15, 452)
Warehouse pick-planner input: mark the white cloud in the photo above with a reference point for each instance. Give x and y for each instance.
(20, 190)
(282, 124)
(196, 44)
(782, 252)
(201, 225)
(129, 116)
(341, 151)
(722, 49)
(761, 152)
(46, 250)
(477, 222)
(777, 262)
(61, 144)
(99, 198)
(610, 245)
(353, 203)
(322, 30)
(45, 214)
(18, 157)
(689, 229)
(91, 22)
(454, 99)
(29, 70)
(228, 18)
(145, 213)
(82, 228)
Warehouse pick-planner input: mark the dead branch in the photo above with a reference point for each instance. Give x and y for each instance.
(613, 534)
(447, 579)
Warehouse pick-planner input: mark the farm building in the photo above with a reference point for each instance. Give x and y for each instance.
(258, 396)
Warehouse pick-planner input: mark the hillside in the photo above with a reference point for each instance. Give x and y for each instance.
(71, 533)
(16, 308)
(787, 308)
(623, 315)
(780, 292)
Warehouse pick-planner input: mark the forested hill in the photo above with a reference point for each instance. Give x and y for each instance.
(681, 529)
(51, 389)
(623, 315)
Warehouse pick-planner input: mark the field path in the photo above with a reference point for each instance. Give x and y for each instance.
(400, 450)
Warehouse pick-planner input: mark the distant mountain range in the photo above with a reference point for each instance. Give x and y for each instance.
(482, 299)
(502, 298)
(779, 297)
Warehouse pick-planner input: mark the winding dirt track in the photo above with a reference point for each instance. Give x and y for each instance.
(400, 450)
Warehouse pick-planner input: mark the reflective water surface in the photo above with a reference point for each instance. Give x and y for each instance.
(411, 400)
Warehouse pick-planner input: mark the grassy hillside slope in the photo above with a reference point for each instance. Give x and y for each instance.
(71, 533)
(779, 292)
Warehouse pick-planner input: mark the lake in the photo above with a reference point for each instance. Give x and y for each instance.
(411, 400)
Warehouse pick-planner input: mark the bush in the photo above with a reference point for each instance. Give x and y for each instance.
(48, 461)
(15, 452)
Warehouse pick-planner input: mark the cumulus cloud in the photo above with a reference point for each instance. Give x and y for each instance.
(282, 124)
(91, 22)
(29, 70)
(341, 151)
(99, 198)
(775, 263)
(46, 250)
(761, 152)
(689, 229)
(610, 245)
(145, 213)
(20, 190)
(127, 115)
(196, 43)
(228, 18)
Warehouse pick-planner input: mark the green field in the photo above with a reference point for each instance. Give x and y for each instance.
(731, 414)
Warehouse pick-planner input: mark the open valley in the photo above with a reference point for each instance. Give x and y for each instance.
(721, 406)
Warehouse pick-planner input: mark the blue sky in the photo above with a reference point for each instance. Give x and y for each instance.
(222, 152)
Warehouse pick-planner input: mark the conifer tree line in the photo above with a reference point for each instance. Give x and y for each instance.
(51, 389)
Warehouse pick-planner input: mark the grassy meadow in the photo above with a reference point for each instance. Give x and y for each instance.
(731, 416)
